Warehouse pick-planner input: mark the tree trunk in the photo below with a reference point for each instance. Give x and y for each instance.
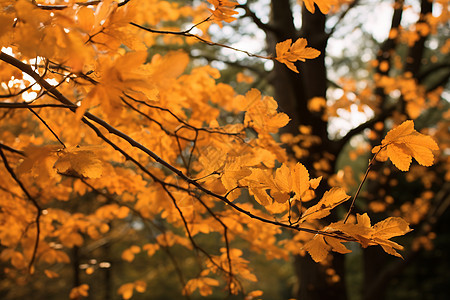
(293, 91)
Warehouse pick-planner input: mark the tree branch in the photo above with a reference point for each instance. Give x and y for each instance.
(33, 200)
(338, 145)
(249, 13)
(342, 16)
(7, 148)
(58, 95)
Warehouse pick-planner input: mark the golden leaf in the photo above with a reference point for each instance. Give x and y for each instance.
(317, 248)
(330, 200)
(300, 180)
(80, 161)
(324, 5)
(79, 291)
(126, 290)
(129, 254)
(223, 10)
(403, 143)
(288, 54)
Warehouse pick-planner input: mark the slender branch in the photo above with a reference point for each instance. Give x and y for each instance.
(58, 95)
(371, 163)
(46, 125)
(360, 128)
(342, 16)
(27, 105)
(146, 223)
(185, 124)
(33, 200)
(432, 69)
(191, 238)
(154, 121)
(8, 148)
(236, 64)
(19, 92)
(87, 3)
(210, 43)
(261, 25)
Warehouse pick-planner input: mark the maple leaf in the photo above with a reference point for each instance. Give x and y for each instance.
(129, 254)
(330, 200)
(288, 54)
(233, 171)
(126, 290)
(223, 10)
(203, 284)
(386, 229)
(261, 113)
(320, 246)
(402, 143)
(258, 183)
(295, 180)
(80, 161)
(79, 291)
(363, 232)
(379, 234)
(39, 162)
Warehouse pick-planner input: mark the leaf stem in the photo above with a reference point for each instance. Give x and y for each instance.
(371, 163)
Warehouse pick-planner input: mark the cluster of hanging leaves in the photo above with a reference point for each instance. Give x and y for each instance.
(143, 138)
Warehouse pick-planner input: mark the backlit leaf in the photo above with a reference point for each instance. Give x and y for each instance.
(288, 54)
(403, 143)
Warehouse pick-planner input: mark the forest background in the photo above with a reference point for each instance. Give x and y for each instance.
(144, 156)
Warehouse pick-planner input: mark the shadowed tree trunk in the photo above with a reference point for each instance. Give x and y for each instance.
(292, 92)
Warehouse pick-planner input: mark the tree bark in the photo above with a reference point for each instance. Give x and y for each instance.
(292, 92)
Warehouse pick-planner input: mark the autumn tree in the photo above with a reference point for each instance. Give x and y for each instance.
(103, 137)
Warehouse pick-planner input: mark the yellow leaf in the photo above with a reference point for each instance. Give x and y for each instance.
(403, 143)
(150, 248)
(223, 10)
(283, 178)
(300, 180)
(404, 129)
(79, 291)
(316, 104)
(317, 248)
(324, 5)
(261, 114)
(288, 54)
(391, 227)
(379, 234)
(241, 77)
(233, 171)
(39, 163)
(253, 294)
(140, 286)
(51, 274)
(314, 182)
(80, 161)
(126, 290)
(203, 284)
(129, 253)
(330, 200)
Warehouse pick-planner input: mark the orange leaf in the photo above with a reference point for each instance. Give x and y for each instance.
(324, 5)
(80, 161)
(403, 143)
(288, 54)
(330, 200)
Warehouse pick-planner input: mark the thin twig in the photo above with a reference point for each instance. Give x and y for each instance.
(58, 95)
(33, 200)
(361, 184)
(46, 125)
